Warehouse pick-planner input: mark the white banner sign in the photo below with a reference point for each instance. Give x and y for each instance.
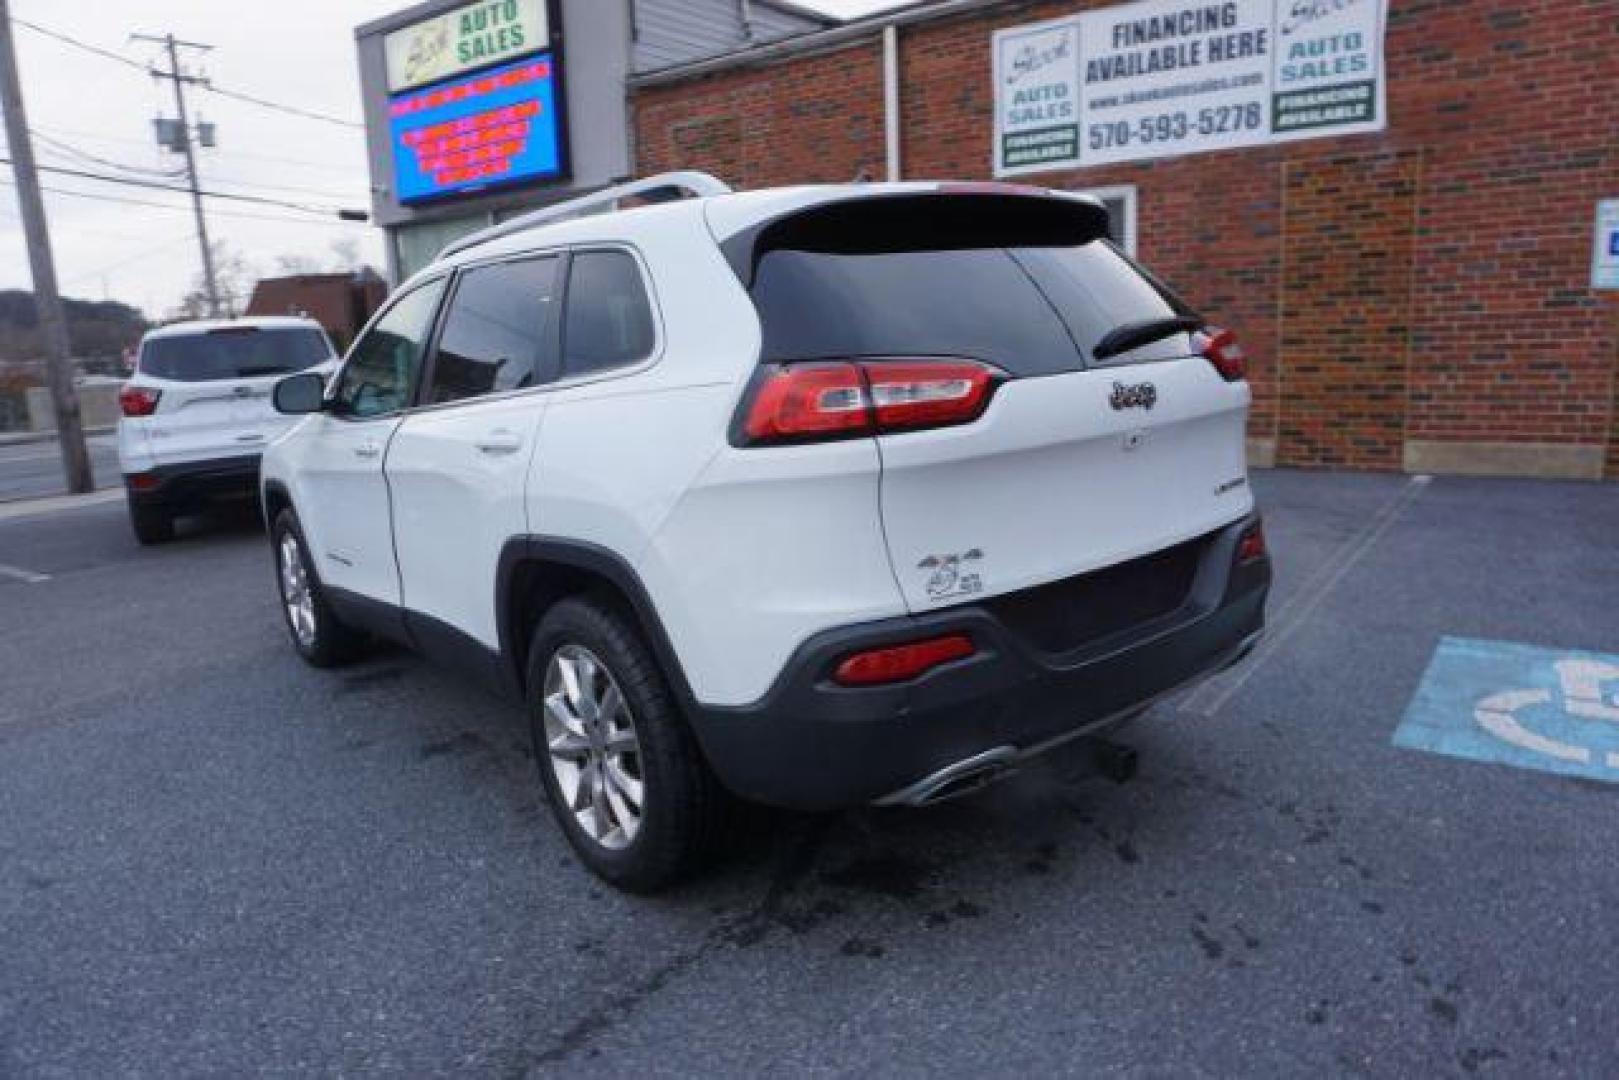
(474, 36)
(1160, 78)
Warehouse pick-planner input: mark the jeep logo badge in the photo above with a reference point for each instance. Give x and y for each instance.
(1140, 396)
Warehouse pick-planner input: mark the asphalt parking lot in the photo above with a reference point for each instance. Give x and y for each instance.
(216, 860)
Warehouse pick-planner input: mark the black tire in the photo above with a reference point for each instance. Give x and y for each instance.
(151, 525)
(332, 641)
(684, 808)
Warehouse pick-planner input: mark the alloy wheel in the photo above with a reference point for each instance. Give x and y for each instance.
(592, 746)
(296, 594)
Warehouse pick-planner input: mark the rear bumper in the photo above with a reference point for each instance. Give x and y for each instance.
(191, 484)
(814, 745)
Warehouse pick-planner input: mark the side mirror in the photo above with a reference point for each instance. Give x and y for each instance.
(301, 393)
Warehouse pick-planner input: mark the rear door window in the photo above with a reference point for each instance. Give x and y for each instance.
(973, 277)
(498, 331)
(608, 322)
(235, 352)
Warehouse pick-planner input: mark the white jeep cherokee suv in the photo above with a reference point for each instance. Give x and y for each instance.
(197, 412)
(815, 496)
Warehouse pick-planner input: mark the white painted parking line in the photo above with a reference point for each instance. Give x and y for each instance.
(1211, 697)
(17, 573)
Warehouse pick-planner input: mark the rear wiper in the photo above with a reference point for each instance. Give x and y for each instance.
(262, 369)
(1134, 335)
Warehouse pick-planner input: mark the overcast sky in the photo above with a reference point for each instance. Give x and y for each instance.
(297, 52)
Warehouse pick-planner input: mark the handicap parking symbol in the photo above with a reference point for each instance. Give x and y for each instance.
(1510, 704)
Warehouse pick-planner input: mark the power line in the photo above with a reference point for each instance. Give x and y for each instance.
(77, 44)
(133, 182)
(216, 151)
(258, 185)
(68, 148)
(291, 110)
(280, 218)
(125, 261)
(107, 54)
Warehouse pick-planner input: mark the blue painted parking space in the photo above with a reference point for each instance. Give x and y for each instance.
(1520, 705)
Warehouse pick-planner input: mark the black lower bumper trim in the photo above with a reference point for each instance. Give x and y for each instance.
(188, 485)
(812, 744)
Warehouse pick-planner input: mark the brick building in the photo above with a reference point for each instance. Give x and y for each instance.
(1415, 298)
(341, 303)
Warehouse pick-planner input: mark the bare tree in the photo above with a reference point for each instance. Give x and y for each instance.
(297, 264)
(234, 277)
(346, 254)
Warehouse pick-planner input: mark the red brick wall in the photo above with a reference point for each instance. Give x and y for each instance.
(813, 119)
(1429, 282)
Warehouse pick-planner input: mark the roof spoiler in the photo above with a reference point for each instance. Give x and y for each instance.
(951, 216)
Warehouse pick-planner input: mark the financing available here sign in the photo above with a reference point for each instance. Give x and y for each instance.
(1161, 78)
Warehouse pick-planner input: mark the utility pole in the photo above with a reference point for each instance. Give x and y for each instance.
(183, 136)
(52, 323)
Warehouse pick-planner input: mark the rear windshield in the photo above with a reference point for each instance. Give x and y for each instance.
(234, 353)
(1030, 300)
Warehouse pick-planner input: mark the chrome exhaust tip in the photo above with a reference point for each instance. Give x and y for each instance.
(953, 781)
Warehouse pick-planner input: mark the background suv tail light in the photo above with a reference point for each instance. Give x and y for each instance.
(1252, 544)
(138, 400)
(812, 401)
(1221, 348)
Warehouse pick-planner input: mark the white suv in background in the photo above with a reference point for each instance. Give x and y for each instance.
(197, 412)
(816, 496)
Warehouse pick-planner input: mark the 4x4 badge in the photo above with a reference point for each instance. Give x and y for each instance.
(1139, 396)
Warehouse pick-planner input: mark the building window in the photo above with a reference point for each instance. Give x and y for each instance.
(1120, 200)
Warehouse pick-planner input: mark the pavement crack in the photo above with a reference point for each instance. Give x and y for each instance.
(749, 928)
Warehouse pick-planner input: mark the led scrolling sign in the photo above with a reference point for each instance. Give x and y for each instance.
(493, 127)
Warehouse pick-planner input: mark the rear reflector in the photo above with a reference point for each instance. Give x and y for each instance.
(138, 400)
(1252, 544)
(1221, 348)
(813, 401)
(897, 663)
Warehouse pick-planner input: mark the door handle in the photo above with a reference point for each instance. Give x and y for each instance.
(367, 450)
(499, 441)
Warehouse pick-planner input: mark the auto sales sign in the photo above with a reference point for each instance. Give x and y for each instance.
(1161, 78)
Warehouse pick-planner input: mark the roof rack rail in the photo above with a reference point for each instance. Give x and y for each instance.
(699, 184)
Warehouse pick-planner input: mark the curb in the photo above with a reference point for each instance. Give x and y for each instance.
(24, 438)
(48, 504)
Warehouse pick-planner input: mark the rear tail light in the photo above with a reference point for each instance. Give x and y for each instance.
(897, 663)
(808, 401)
(144, 481)
(138, 400)
(1252, 544)
(813, 401)
(1221, 348)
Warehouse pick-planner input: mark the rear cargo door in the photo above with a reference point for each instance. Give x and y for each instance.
(1084, 457)
(1054, 481)
(216, 385)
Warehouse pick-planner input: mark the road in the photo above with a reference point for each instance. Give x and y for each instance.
(217, 860)
(29, 470)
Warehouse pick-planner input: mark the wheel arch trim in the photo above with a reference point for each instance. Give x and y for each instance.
(580, 555)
